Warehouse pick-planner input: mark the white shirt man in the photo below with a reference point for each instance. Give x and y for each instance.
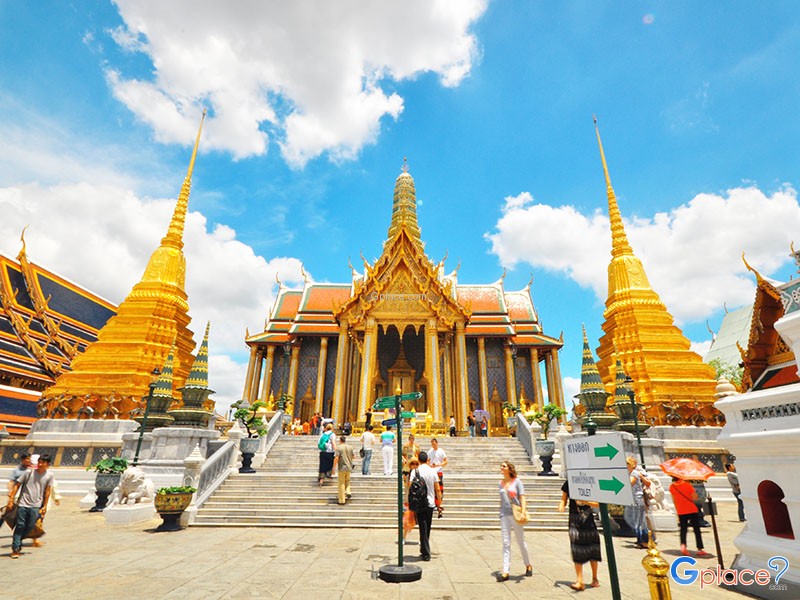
(425, 516)
(437, 458)
(367, 445)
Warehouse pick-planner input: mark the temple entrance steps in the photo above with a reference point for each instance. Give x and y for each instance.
(284, 492)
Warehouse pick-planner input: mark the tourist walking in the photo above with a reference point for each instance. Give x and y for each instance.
(471, 425)
(367, 445)
(387, 449)
(410, 451)
(19, 470)
(636, 516)
(584, 540)
(684, 497)
(452, 426)
(34, 487)
(409, 516)
(368, 417)
(512, 492)
(424, 515)
(437, 459)
(343, 464)
(327, 452)
(733, 480)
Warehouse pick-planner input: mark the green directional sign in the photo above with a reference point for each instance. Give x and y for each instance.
(408, 415)
(607, 451)
(611, 485)
(382, 403)
(403, 398)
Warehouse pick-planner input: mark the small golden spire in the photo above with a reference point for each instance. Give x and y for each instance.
(22, 251)
(174, 235)
(619, 241)
(751, 269)
(404, 205)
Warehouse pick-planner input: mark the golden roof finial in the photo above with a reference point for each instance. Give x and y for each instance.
(278, 281)
(304, 274)
(751, 269)
(404, 205)
(174, 235)
(619, 241)
(22, 251)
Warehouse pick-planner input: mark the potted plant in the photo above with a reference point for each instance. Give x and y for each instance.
(247, 414)
(170, 502)
(510, 412)
(109, 471)
(545, 448)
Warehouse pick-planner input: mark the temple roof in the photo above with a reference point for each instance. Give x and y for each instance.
(45, 320)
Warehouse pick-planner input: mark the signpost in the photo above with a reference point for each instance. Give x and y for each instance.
(596, 472)
(398, 573)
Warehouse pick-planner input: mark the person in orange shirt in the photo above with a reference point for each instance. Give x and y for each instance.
(306, 427)
(684, 496)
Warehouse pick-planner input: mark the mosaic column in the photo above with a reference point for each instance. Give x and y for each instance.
(341, 371)
(550, 377)
(268, 365)
(557, 388)
(511, 380)
(432, 370)
(448, 381)
(367, 366)
(248, 380)
(484, 380)
(293, 372)
(259, 365)
(536, 373)
(461, 374)
(321, 365)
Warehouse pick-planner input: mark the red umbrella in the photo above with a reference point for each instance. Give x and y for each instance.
(686, 468)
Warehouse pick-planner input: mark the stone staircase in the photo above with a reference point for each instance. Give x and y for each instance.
(284, 492)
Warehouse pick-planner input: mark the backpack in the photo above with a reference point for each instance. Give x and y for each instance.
(417, 494)
(323, 441)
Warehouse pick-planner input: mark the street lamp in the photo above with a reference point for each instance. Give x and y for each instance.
(635, 409)
(156, 372)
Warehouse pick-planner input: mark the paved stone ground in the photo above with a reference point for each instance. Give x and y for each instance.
(84, 558)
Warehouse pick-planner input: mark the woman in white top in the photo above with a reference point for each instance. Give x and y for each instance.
(512, 492)
(452, 426)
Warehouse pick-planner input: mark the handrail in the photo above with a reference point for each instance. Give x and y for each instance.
(214, 472)
(274, 431)
(525, 437)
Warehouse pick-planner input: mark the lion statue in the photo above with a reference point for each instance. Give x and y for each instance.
(656, 495)
(133, 488)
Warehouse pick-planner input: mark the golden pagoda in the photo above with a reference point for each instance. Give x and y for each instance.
(115, 371)
(641, 334)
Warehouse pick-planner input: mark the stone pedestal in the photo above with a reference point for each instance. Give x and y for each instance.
(127, 514)
(72, 430)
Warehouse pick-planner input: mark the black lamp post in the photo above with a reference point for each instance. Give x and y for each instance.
(635, 409)
(156, 372)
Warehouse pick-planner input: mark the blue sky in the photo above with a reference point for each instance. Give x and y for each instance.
(312, 109)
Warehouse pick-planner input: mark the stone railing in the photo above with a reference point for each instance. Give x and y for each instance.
(526, 436)
(215, 471)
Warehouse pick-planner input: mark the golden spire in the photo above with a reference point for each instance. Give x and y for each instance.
(404, 207)
(154, 315)
(653, 351)
(174, 235)
(619, 241)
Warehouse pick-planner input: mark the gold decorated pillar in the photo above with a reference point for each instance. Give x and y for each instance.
(536, 375)
(367, 366)
(461, 373)
(511, 379)
(293, 372)
(448, 381)
(432, 370)
(321, 364)
(549, 376)
(267, 374)
(484, 380)
(341, 370)
(259, 366)
(248, 380)
(557, 386)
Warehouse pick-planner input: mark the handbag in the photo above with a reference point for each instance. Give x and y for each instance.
(37, 530)
(10, 516)
(362, 453)
(520, 516)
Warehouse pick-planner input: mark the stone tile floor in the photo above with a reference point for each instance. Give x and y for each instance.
(84, 558)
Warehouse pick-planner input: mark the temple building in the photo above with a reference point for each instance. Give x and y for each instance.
(669, 379)
(45, 322)
(404, 324)
(112, 377)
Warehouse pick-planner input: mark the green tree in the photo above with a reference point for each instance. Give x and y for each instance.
(731, 372)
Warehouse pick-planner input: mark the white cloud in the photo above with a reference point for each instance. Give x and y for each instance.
(101, 237)
(695, 247)
(316, 75)
(571, 386)
(701, 348)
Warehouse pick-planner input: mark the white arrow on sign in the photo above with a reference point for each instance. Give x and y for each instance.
(595, 452)
(609, 486)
